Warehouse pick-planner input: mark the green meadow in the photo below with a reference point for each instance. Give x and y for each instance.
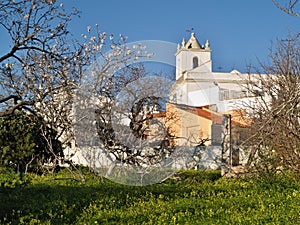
(189, 197)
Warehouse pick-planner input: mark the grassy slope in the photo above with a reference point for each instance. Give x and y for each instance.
(196, 198)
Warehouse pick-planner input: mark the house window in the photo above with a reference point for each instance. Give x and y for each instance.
(195, 62)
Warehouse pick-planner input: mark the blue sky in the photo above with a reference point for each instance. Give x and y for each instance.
(239, 31)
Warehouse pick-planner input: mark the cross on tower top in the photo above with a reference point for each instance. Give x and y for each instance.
(191, 30)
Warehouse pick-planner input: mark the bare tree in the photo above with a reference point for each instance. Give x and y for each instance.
(274, 140)
(124, 117)
(40, 60)
(130, 122)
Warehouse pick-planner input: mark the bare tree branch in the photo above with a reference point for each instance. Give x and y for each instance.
(288, 8)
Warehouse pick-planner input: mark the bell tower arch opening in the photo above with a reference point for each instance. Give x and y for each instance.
(195, 62)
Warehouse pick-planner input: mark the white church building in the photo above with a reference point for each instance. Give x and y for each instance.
(197, 85)
(201, 97)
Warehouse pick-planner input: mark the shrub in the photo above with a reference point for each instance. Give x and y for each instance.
(23, 142)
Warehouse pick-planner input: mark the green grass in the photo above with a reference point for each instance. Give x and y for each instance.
(191, 197)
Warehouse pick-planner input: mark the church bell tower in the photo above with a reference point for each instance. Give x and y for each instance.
(191, 56)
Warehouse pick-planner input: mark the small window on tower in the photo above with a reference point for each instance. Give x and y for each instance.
(195, 62)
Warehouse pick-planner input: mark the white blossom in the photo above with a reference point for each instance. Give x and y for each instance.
(99, 47)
